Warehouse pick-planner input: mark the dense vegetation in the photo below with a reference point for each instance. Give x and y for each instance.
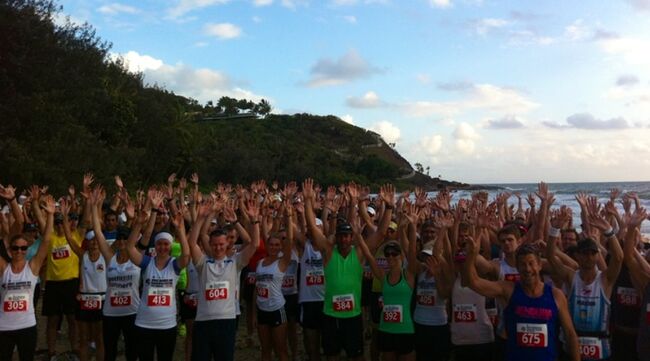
(66, 108)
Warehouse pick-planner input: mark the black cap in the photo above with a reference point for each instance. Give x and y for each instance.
(58, 218)
(392, 246)
(73, 216)
(123, 232)
(587, 244)
(344, 228)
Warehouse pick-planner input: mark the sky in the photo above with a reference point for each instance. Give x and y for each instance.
(480, 91)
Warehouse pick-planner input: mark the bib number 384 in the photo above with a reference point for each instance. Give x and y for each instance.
(532, 335)
(343, 303)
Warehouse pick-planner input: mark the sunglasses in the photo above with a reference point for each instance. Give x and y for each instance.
(22, 248)
(391, 254)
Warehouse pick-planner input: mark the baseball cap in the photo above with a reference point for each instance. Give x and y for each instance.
(343, 228)
(587, 244)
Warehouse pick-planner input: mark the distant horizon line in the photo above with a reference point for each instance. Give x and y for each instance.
(573, 182)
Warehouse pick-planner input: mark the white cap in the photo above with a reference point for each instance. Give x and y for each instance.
(90, 235)
(319, 222)
(163, 236)
(371, 211)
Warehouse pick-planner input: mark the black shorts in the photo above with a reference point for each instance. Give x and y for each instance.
(366, 287)
(247, 284)
(292, 307)
(432, 342)
(311, 315)
(400, 343)
(342, 333)
(60, 297)
(186, 309)
(375, 307)
(272, 318)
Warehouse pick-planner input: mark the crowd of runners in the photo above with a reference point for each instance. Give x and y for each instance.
(406, 276)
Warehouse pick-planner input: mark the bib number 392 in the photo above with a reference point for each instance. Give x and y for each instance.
(392, 313)
(532, 335)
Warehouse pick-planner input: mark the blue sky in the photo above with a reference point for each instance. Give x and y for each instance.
(481, 91)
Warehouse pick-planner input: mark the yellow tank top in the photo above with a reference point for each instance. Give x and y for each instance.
(62, 262)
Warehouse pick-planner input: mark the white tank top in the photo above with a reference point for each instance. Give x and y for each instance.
(430, 310)
(312, 276)
(506, 273)
(158, 301)
(122, 294)
(268, 284)
(218, 287)
(17, 294)
(93, 275)
(470, 324)
(290, 280)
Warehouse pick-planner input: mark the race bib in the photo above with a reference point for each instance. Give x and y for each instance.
(532, 335)
(61, 252)
(343, 303)
(90, 302)
(288, 282)
(159, 297)
(392, 313)
(119, 298)
(591, 348)
(15, 302)
(217, 290)
(464, 313)
(315, 278)
(367, 274)
(426, 297)
(250, 278)
(512, 277)
(262, 291)
(627, 296)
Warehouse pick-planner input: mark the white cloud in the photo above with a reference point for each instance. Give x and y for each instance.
(185, 6)
(293, 4)
(484, 26)
(262, 2)
(635, 51)
(465, 136)
(350, 19)
(423, 78)
(256, 19)
(351, 66)
(643, 5)
(222, 30)
(507, 122)
(387, 130)
(116, 8)
(61, 19)
(576, 31)
(442, 4)
(477, 96)
(202, 84)
(348, 119)
(368, 100)
(430, 145)
(343, 2)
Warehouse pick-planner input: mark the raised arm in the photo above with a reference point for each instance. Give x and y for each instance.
(35, 195)
(253, 213)
(104, 248)
(320, 241)
(640, 277)
(387, 194)
(9, 194)
(562, 271)
(287, 243)
(76, 248)
(204, 212)
(496, 289)
(615, 252)
(134, 255)
(41, 254)
(178, 220)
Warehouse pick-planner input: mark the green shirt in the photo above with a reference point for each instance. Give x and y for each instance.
(343, 277)
(396, 314)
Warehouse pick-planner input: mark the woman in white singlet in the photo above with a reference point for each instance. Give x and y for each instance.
(17, 318)
(122, 294)
(156, 318)
(271, 316)
(92, 286)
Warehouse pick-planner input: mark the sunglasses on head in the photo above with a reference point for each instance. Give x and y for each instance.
(22, 248)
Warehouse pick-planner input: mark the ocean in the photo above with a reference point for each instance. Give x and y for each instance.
(565, 195)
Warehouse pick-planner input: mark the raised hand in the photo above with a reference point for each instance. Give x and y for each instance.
(581, 198)
(614, 193)
(229, 212)
(178, 220)
(118, 182)
(598, 221)
(182, 183)
(308, 189)
(8, 192)
(88, 180)
(353, 190)
(48, 204)
(639, 215)
(194, 178)
(387, 193)
(71, 191)
(252, 209)
(171, 179)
